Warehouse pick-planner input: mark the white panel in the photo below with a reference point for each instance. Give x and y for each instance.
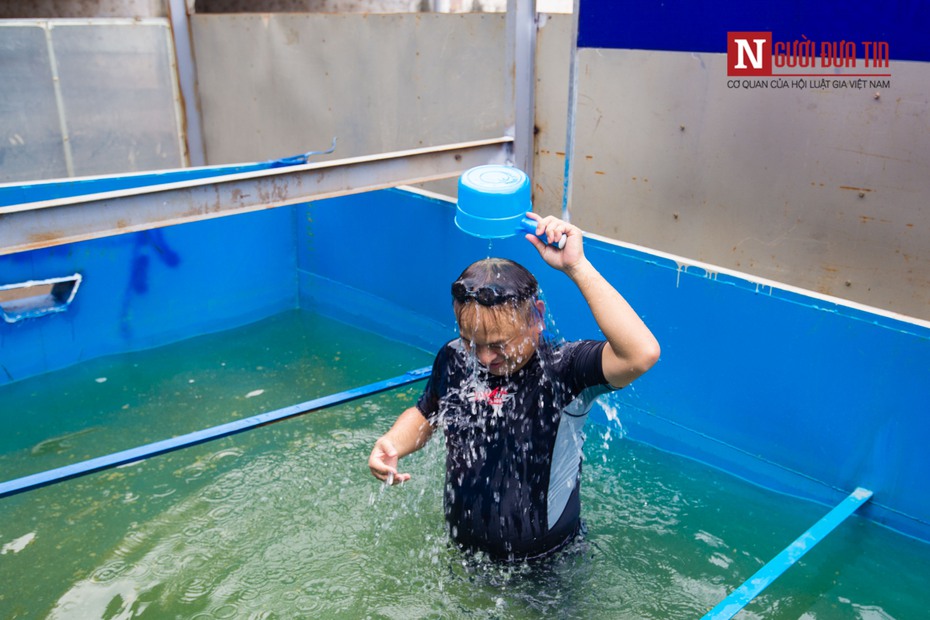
(118, 89)
(30, 131)
(85, 97)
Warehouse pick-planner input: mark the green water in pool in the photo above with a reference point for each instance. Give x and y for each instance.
(286, 522)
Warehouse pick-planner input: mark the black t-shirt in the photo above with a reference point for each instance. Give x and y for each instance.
(514, 445)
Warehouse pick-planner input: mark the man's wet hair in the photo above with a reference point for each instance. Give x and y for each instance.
(494, 281)
(504, 288)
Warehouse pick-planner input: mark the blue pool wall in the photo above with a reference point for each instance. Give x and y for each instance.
(796, 393)
(151, 288)
(801, 394)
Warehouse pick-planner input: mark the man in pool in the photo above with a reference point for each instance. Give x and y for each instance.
(511, 404)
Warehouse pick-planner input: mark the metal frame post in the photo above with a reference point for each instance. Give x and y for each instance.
(192, 133)
(521, 64)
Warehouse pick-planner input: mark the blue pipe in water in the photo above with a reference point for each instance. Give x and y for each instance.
(739, 598)
(35, 481)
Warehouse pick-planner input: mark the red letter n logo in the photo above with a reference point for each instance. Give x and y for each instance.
(749, 53)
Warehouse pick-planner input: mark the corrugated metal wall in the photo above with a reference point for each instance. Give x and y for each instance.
(279, 84)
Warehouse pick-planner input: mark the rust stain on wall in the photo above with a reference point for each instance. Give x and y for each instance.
(45, 237)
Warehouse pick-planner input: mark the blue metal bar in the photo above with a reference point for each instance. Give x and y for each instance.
(739, 598)
(35, 191)
(35, 481)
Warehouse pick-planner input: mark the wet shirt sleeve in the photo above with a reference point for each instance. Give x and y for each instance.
(428, 404)
(584, 365)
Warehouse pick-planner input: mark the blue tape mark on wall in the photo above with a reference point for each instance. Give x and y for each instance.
(146, 242)
(689, 26)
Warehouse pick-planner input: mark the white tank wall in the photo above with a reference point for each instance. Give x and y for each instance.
(279, 84)
(827, 190)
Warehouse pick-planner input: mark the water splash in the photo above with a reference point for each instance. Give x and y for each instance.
(612, 412)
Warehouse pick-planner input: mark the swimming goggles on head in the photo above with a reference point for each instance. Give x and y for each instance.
(488, 294)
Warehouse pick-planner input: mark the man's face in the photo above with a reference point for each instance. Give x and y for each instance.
(502, 338)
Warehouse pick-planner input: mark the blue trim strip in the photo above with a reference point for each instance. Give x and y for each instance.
(688, 26)
(35, 481)
(35, 191)
(739, 598)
